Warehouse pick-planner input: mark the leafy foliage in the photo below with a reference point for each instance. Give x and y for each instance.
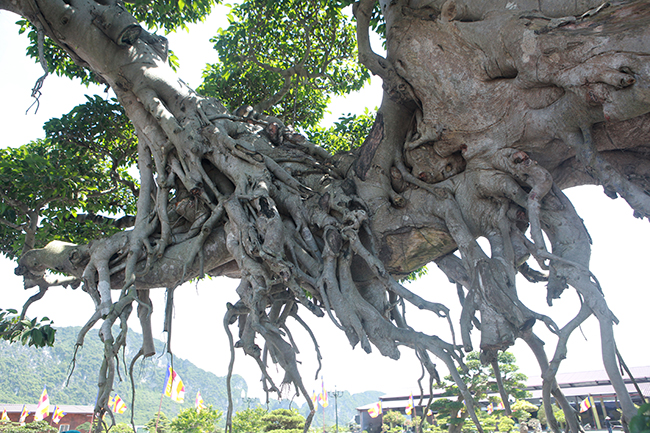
(58, 61)
(159, 424)
(522, 410)
(248, 420)
(557, 412)
(122, 427)
(32, 427)
(283, 420)
(346, 134)
(192, 421)
(165, 15)
(641, 421)
(285, 57)
(81, 167)
(506, 424)
(480, 381)
(393, 421)
(170, 15)
(37, 333)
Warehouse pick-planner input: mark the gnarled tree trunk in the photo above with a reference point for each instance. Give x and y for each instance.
(490, 109)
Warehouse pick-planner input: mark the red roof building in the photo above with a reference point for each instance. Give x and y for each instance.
(74, 415)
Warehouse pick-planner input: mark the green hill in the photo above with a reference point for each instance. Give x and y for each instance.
(26, 370)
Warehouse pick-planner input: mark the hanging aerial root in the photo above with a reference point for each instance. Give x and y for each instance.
(227, 321)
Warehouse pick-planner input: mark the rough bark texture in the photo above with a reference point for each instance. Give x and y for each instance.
(490, 109)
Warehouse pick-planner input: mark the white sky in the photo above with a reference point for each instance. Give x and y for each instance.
(619, 257)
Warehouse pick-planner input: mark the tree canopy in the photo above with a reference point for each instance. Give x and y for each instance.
(489, 111)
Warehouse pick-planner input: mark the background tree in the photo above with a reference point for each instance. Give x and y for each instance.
(506, 424)
(32, 427)
(122, 427)
(392, 421)
(159, 424)
(248, 420)
(557, 412)
(480, 380)
(283, 420)
(488, 112)
(522, 410)
(192, 421)
(285, 58)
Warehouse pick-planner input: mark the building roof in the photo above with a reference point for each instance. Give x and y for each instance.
(594, 383)
(67, 408)
(400, 402)
(588, 378)
(576, 384)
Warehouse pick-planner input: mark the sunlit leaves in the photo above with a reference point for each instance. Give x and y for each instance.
(160, 15)
(307, 48)
(170, 15)
(38, 333)
(347, 133)
(192, 421)
(80, 167)
(480, 381)
(641, 421)
(58, 61)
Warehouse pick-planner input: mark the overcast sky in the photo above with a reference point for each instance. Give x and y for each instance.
(619, 258)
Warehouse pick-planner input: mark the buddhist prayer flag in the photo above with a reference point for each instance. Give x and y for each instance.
(314, 398)
(375, 410)
(429, 412)
(500, 406)
(57, 414)
(5, 417)
(409, 406)
(23, 414)
(198, 402)
(490, 408)
(323, 394)
(174, 386)
(116, 404)
(43, 407)
(585, 404)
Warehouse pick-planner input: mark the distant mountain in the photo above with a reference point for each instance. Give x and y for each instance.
(24, 371)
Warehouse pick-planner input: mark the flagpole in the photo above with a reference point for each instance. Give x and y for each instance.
(159, 407)
(594, 411)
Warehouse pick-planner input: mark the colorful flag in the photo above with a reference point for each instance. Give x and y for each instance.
(375, 410)
(174, 387)
(323, 394)
(5, 417)
(198, 402)
(429, 412)
(116, 404)
(409, 406)
(314, 398)
(57, 414)
(585, 404)
(500, 406)
(23, 414)
(490, 408)
(43, 407)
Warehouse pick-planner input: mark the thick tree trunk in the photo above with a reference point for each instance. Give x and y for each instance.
(489, 109)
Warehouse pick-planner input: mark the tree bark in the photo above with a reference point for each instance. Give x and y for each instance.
(489, 109)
